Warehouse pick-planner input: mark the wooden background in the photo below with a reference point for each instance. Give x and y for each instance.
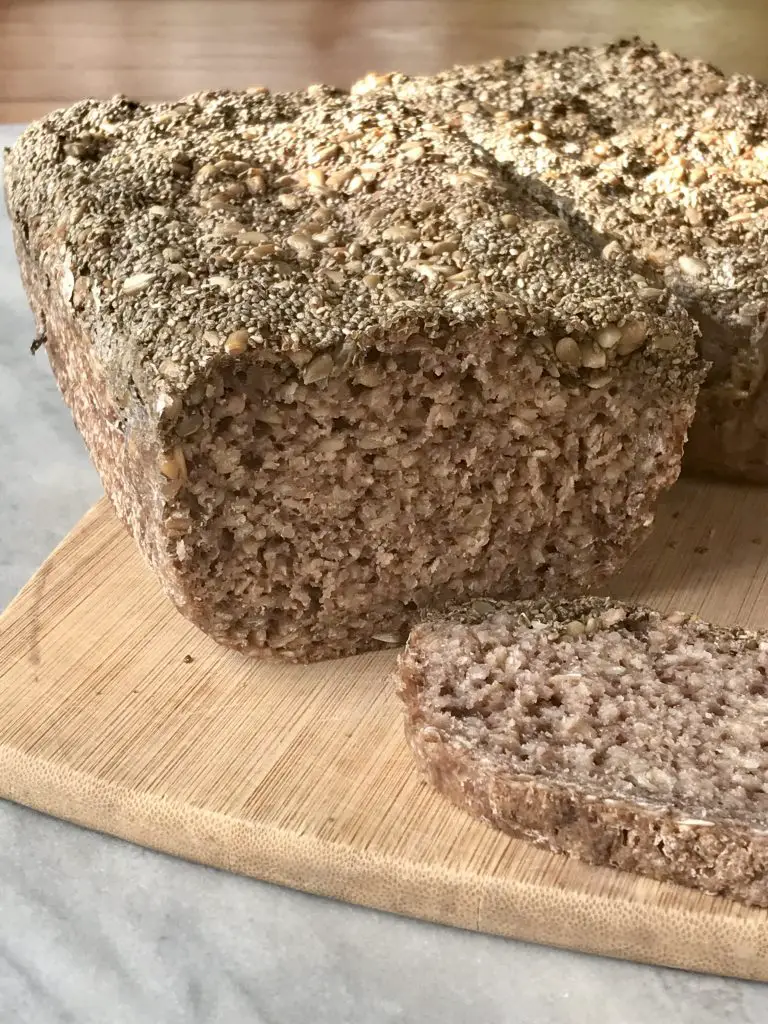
(53, 52)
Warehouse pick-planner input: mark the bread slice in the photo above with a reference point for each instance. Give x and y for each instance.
(334, 369)
(613, 733)
(658, 160)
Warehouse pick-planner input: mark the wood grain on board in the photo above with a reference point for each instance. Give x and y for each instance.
(117, 714)
(53, 52)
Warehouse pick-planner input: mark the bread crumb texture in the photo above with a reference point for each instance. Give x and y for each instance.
(336, 365)
(612, 732)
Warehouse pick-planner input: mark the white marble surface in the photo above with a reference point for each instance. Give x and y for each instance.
(96, 931)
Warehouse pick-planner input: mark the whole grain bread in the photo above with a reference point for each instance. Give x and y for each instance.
(661, 163)
(613, 733)
(335, 368)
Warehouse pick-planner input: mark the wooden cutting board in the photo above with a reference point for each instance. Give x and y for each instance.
(117, 714)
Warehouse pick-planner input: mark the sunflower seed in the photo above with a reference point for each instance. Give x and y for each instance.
(320, 368)
(632, 337)
(691, 266)
(237, 342)
(592, 356)
(609, 336)
(568, 351)
(135, 284)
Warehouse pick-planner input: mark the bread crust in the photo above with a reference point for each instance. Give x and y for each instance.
(124, 447)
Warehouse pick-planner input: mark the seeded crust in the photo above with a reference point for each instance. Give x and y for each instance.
(609, 732)
(334, 367)
(662, 163)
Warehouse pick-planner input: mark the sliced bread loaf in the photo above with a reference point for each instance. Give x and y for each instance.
(613, 733)
(333, 370)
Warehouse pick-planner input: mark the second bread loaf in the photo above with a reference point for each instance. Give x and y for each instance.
(659, 162)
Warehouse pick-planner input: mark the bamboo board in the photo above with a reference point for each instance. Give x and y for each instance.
(116, 714)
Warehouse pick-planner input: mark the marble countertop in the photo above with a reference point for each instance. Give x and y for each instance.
(95, 930)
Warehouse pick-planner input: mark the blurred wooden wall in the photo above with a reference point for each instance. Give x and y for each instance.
(55, 51)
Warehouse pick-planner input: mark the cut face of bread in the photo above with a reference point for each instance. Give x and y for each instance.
(613, 733)
(334, 368)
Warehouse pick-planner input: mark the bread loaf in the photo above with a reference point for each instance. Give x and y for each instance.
(660, 163)
(613, 733)
(334, 369)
